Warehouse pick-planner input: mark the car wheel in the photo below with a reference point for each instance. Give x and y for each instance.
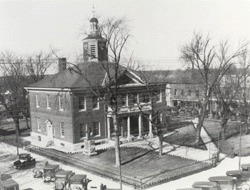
(245, 187)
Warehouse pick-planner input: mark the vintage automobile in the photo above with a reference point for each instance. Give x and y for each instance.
(38, 171)
(205, 185)
(79, 182)
(4, 177)
(9, 184)
(49, 172)
(223, 182)
(241, 179)
(245, 167)
(62, 179)
(25, 160)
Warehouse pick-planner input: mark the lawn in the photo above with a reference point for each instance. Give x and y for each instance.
(185, 137)
(147, 168)
(140, 167)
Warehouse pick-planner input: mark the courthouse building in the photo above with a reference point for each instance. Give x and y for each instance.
(63, 106)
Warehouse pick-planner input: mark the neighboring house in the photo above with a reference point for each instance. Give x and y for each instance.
(184, 94)
(63, 107)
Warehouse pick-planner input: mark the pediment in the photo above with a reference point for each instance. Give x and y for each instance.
(128, 78)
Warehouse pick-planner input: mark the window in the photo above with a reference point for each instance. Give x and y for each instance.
(157, 95)
(197, 93)
(175, 91)
(38, 124)
(61, 102)
(48, 101)
(124, 99)
(92, 49)
(96, 129)
(62, 129)
(54, 131)
(133, 97)
(145, 98)
(37, 101)
(83, 130)
(189, 92)
(82, 103)
(182, 92)
(95, 102)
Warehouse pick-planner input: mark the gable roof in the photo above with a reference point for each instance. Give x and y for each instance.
(84, 75)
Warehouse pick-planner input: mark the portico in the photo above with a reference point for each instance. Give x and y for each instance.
(131, 126)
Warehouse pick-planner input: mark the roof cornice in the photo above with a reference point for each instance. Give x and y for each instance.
(47, 89)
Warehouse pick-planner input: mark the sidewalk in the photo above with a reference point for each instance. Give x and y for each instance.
(175, 150)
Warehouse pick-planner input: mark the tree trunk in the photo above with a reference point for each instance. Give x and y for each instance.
(117, 142)
(200, 123)
(17, 127)
(17, 134)
(27, 122)
(223, 128)
(160, 145)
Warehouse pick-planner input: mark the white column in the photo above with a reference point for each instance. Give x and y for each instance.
(108, 125)
(150, 134)
(128, 128)
(140, 125)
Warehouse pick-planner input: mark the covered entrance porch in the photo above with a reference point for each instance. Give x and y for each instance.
(131, 126)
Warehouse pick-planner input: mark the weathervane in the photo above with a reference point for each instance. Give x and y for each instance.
(93, 11)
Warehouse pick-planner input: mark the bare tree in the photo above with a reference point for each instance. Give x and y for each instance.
(18, 72)
(37, 65)
(243, 91)
(114, 35)
(212, 62)
(226, 100)
(153, 80)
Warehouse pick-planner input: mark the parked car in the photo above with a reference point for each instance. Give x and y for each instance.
(49, 172)
(4, 177)
(9, 184)
(241, 178)
(245, 167)
(205, 185)
(79, 182)
(62, 179)
(38, 171)
(223, 182)
(25, 160)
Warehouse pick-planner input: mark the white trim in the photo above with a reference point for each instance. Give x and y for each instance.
(59, 101)
(104, 80)
(48, 100)
(37, 101)
(98, 103)
(136, 76)
(47, 89)
(38, 123)
(160, 97)
(85, 105)
(99, 129)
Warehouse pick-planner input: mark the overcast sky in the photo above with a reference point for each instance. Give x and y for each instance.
(159, 28)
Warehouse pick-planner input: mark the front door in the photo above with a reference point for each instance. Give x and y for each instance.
(134, 129)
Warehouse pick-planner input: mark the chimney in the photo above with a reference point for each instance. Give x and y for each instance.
(62, 64)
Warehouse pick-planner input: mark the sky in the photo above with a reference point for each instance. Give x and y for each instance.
(159, 28)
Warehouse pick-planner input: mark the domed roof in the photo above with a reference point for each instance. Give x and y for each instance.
(94, 20)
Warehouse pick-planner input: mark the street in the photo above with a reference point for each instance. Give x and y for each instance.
(25, 176)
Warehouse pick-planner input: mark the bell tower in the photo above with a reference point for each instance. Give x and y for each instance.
(94, 45)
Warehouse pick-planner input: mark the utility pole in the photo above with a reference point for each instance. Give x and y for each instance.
(240, 147)
(17, 137)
